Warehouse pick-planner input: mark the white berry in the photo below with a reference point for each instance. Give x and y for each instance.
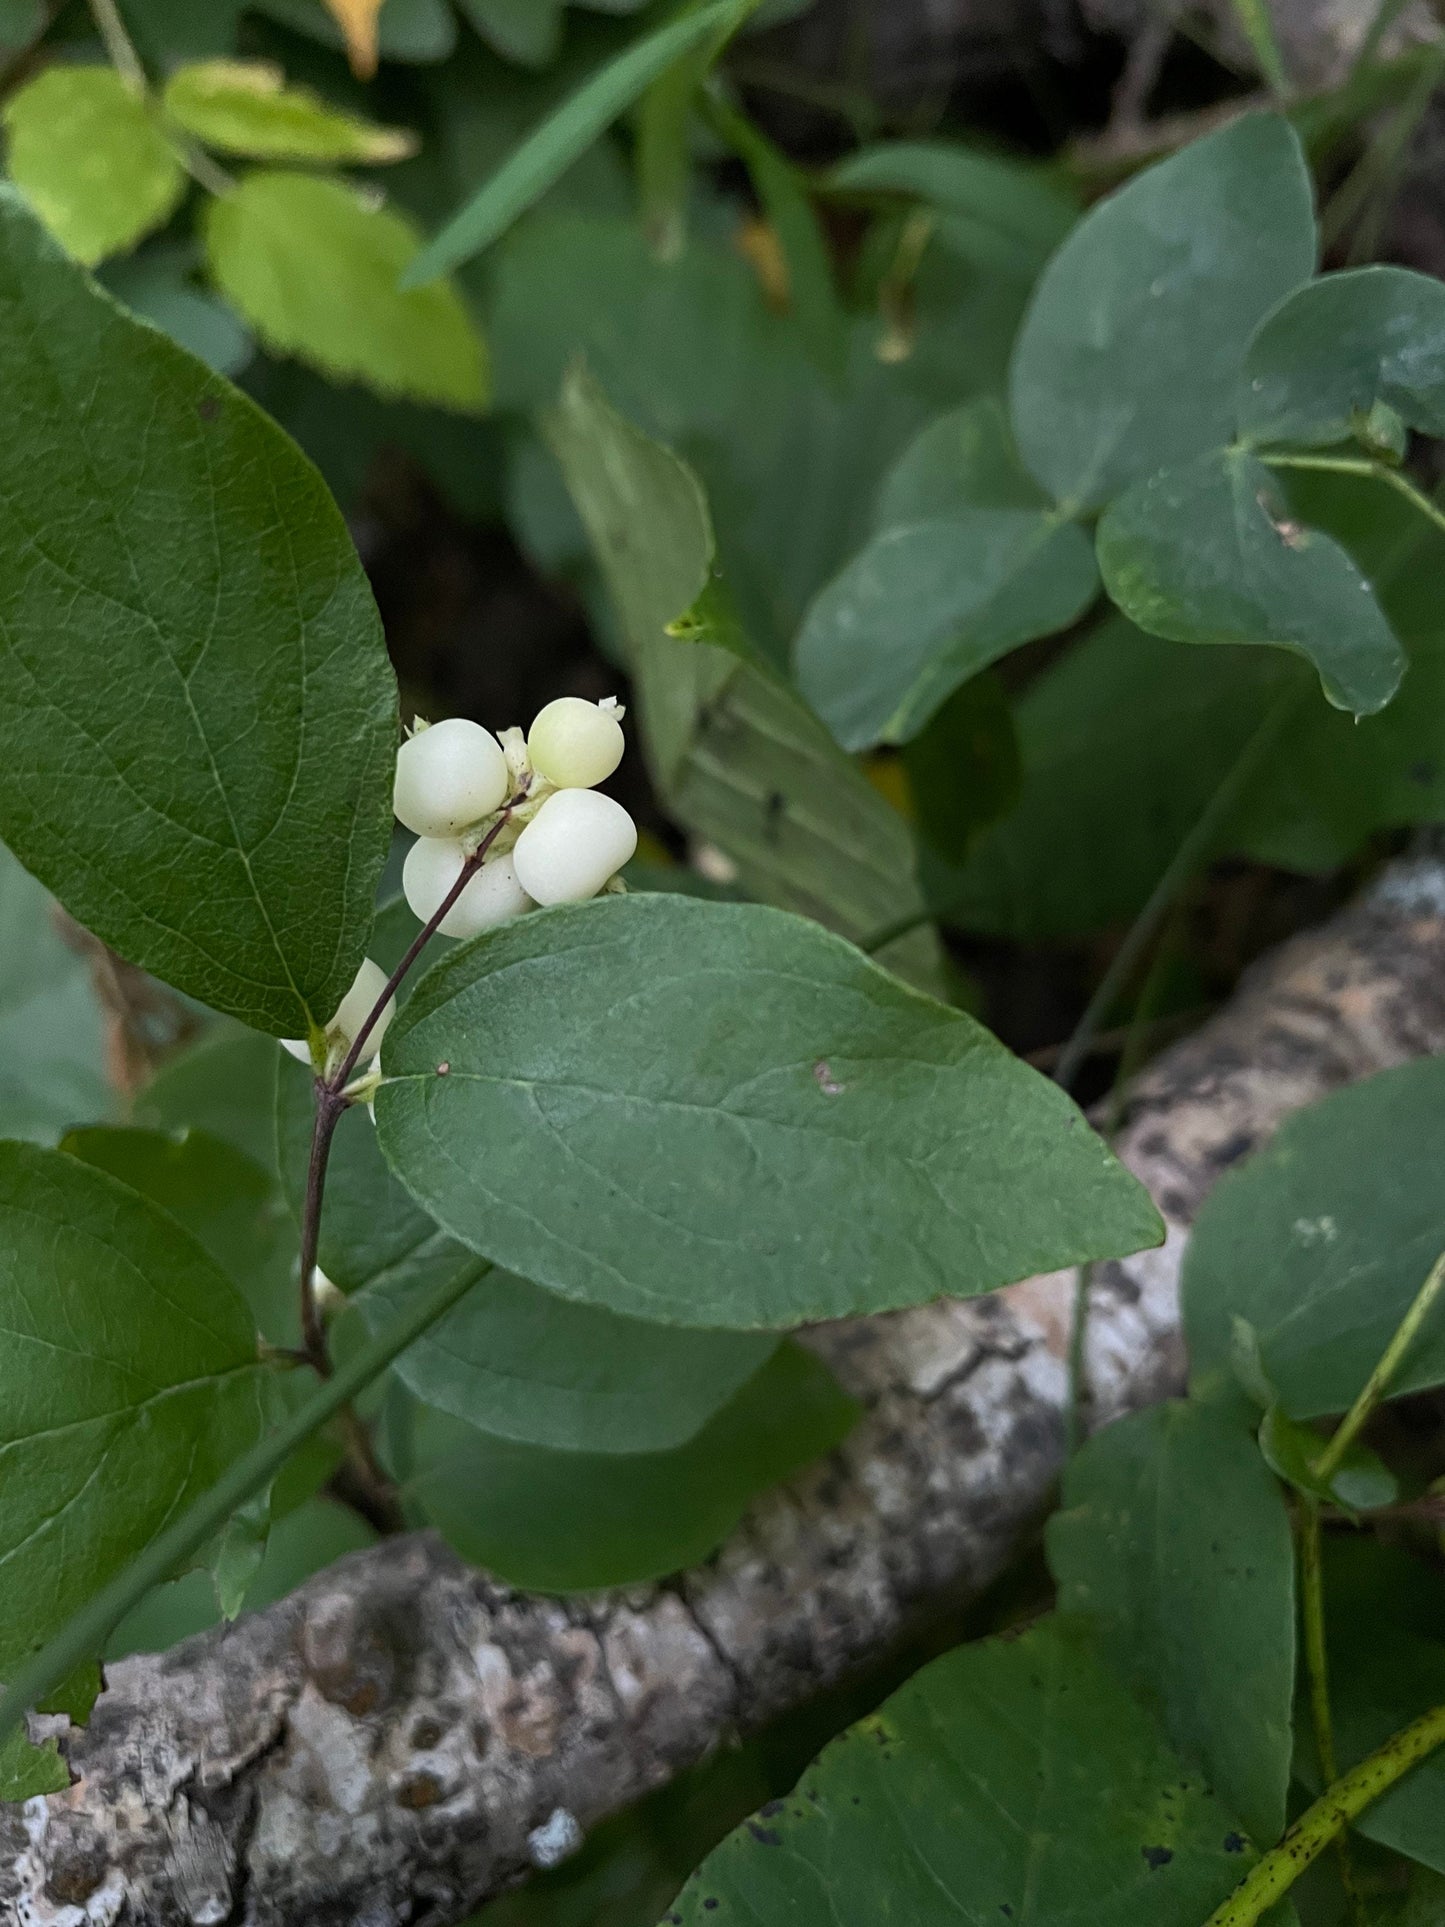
(575, 842)
(449, 777)
(351, 1013)
(493, 896)
(575, 744)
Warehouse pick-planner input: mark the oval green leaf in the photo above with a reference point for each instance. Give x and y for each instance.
(1212, 553)
(1339, 346)
(128, 1383)
(245, 107)
(718, 1114)
(1129, 355)
(197, 716)
(314, 266)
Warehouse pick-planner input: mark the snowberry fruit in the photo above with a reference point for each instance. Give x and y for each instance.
(448, 777)
(493, 896)
(575, 744)
(575, 842)
(351, 1013)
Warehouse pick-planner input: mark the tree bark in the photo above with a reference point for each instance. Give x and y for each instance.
(403, 1738)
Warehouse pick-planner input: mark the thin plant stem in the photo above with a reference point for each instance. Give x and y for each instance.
(1386, 14)
(1253, 17)
(1372, 471)
(1378, 1382)
(1343, 1801)
(119, 47)
(1317, 1671)
(1191, 853)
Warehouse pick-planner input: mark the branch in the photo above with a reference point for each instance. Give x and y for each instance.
(403, 1738)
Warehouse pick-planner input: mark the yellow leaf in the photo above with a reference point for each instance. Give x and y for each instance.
(357, 21)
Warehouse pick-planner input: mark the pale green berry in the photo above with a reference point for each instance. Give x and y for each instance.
(575, 744)
(573, 845)
(351, 1013)
(449, 777)
(430, 873)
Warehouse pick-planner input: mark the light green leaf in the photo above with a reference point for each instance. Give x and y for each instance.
(1175, 1542)
(736, 756)
(927, 605)
(197, 716)
(156, 285)
(1321, 1241)
(52, 1038)
(224, 1085)
(1212, 553)
(92, 160)
(245, 107)
(26, 1770)
(546, 154)
(1338, 347)
(1013, 1781)
(129, 1383)
(517, 1362)
(1004, 215)
(313, 265)
(1130, 353)
(708, 1113)
(231, 1206)
(575, 1521)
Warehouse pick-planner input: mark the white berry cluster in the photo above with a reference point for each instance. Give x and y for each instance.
(551, 838)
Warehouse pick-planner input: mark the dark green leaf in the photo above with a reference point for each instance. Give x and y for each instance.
(1005, 216)
(1013, 1781)
(738, 758)
(197, 717)
(517, 1362)
(1291, 1449)
(1175, 1541)
(710, 1113)
(231, 1206)
(1337, 348)
(224, 1085)
(52, 1040)
(551, 149)
(574, 1521)
(1129, 356)
(1322, 1240)
(927, 605)
(92, 159)
(526, 30)
(1212, 553)
(129, 1383)
(313, 266)
(963, 770)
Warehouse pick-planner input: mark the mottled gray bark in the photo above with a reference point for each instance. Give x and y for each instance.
(402, 1737)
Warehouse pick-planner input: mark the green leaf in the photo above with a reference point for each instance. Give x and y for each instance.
(575, 1521)
(230, 1205)
(197, 717)
(26, 1770)
(129, 1384)
(224, 1085)
(1341, 346)
(964, 459)
(1212, 553)
(706, 1113)
(92, 160)
(517, 1362)
(1130, 353)
(411, 30)
(737, 758)
(1290, 1449)
(245, 107)
(927, 605)
(963, 771)
(1003, 215)
(156, 285)
(546, 154)
(52, 1038)
(313, 265)
(529, 31)
(1175, 1542)
(1322, 1240)
(1012, 1781)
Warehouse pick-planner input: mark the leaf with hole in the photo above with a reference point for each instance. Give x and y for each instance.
(1213, 553)
(1129, 356)
(718, 1114)
(130, 1382)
